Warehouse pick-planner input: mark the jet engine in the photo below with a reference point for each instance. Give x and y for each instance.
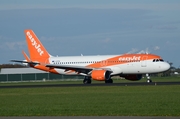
(132, 77)
(100, 75)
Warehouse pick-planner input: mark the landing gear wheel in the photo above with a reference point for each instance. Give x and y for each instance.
(149, 81)
(148, 78)
(109, 81)
(87, 80)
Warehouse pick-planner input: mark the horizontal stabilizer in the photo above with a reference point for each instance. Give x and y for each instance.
(24, 61)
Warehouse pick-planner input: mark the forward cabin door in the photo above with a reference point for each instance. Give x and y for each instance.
(144, 61)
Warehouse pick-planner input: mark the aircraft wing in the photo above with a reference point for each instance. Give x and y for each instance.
(71, 67)
(80, 69)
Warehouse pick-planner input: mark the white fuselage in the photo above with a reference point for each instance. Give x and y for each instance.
(117, 66)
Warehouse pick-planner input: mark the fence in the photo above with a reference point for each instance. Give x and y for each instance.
(36, 77)
(31, 74)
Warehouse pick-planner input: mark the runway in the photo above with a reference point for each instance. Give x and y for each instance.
(95, 84)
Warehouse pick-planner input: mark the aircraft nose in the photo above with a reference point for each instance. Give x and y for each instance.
(166, 66)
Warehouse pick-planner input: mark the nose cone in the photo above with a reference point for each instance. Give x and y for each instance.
(165, 66)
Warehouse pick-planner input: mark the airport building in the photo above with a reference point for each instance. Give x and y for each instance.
(31, 74)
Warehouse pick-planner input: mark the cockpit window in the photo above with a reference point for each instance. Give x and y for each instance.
(161, 60)
(158, 60)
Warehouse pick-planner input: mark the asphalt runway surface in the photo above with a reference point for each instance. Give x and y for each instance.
(93, 84)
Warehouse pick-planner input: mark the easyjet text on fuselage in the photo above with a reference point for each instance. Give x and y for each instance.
(133, 58)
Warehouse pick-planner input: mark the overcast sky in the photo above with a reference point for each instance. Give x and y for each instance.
(92, 27)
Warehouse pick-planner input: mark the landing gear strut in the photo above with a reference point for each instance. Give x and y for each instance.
(87, 80)
(109, 81)
(148, 78)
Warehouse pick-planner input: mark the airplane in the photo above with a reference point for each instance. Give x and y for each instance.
(98, 67)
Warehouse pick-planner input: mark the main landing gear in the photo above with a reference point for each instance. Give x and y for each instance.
(109, 81)
(148, 78)
(87, 80)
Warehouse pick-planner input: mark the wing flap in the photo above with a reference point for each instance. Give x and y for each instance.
(70, 67)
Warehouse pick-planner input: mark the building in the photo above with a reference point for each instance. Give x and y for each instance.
(31, 74)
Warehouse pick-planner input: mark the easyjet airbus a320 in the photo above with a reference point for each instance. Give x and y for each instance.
(100, 67)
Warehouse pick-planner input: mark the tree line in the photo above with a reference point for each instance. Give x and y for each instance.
(12, 66)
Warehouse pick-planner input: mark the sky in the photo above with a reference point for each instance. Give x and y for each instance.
(92, 27)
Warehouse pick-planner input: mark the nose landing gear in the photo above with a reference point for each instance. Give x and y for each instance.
(148, 78)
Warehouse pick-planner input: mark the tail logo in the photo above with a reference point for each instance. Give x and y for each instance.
(35, 44)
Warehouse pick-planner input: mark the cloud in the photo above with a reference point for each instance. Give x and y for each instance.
(133, 50)
(12, 45)
(156, 48)
(146, 50)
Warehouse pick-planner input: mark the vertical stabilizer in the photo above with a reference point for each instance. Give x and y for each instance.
(37, 51)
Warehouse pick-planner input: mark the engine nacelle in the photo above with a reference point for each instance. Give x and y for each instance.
(100, 75)
(132, 77)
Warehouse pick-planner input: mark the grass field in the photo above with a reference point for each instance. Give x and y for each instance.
(91, 101)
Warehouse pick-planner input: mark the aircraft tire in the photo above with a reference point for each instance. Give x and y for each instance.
(87, 81)
(109, 81)
(149, 81)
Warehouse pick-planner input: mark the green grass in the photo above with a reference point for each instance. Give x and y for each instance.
(91, 101)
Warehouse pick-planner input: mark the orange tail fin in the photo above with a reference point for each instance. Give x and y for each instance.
(37, 51)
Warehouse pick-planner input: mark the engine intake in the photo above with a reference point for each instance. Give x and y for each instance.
(100, 75)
